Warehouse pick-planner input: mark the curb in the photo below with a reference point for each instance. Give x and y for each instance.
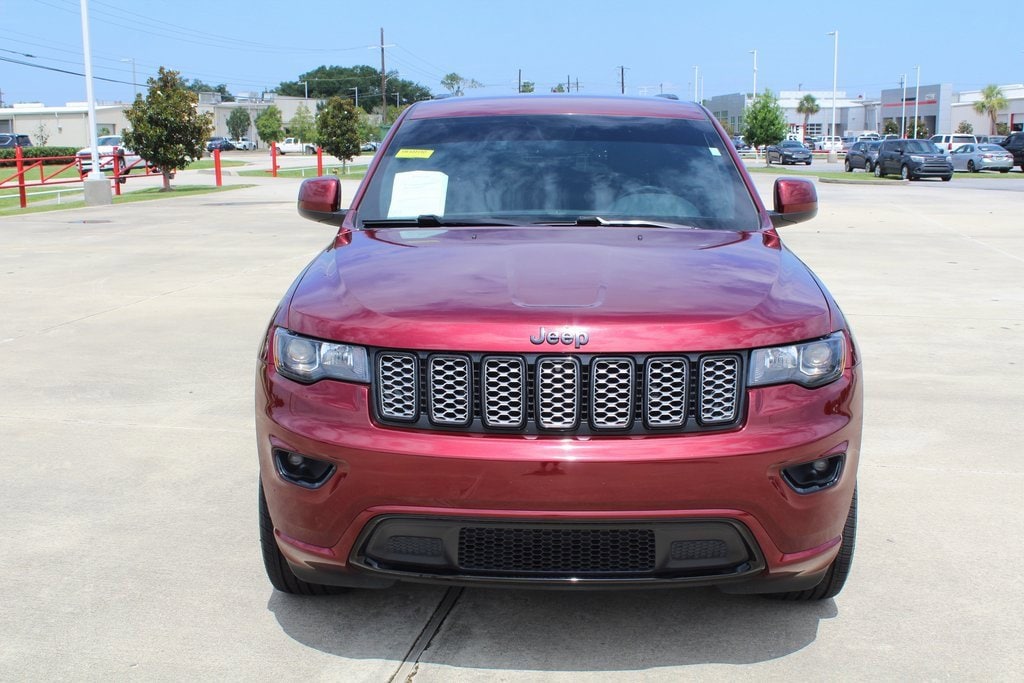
(836, 181)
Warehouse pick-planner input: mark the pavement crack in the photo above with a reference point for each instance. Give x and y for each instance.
(410, 663)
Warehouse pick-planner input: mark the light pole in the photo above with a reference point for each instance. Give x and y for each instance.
(357, 94)
(97, 189)
(832, 156)
(696, 80)
(135, 81)
(917, 98)
(754, 52)
(903, 111)
(305, 85)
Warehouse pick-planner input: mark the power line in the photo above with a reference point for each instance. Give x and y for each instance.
(62, 71)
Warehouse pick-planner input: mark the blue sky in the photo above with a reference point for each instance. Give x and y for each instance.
(253, 45)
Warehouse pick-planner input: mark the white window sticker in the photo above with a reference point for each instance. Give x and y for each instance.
(416, 193)
(715, 152)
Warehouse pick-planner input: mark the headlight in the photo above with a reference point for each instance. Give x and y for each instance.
(308, 360)
(916, 158)
(810, 364)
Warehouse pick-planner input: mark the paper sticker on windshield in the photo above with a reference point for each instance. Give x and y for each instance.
(415, 193)
(715, 152)
(408, 153)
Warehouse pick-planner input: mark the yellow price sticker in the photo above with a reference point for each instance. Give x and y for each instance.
(414, 153)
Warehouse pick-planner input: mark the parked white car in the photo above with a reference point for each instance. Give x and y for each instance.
(127, 159)
(243, 143)
(827, 143)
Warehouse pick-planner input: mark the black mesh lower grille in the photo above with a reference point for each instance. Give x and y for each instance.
(556, 551)
(698, 550)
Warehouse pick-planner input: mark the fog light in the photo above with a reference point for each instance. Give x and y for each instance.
(302, 470)
(816, 475)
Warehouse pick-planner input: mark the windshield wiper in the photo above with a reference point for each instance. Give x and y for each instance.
(429, 220)
(598, 221)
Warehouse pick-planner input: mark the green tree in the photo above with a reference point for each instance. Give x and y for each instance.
(343, 81)
(337, 128)
(368, 131)
(891, 127)
(528, 87)
(197, 86)
(457, 85)
(167, 129)
(559, 88)
(964, 127)
(808, 106)
(765, 122)
(238, 123)
(992, 100)
(922, 129)
(1002, 128)
(269, 125)
(302, 125)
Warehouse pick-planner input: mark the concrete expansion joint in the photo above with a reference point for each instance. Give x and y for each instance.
(411, 662)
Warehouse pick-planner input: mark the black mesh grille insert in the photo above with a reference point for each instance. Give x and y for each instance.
(699, 550)
(556, 551)
(422, 546)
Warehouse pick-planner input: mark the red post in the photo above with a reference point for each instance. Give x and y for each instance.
(319, 160)
(273, 159)
(21, 177)
(216, 166)
(116, 165)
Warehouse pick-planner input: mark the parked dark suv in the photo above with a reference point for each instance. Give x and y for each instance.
(1015, 145)
(913, 160)
(10, 140)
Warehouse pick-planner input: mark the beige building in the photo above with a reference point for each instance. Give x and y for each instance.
(1013, 115)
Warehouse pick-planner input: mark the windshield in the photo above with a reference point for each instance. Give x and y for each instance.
(558, 168)
(109, 141)
(920, 147)
(792, 143)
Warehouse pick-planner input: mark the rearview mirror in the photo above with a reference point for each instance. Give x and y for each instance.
(796, 200)
(320, 200)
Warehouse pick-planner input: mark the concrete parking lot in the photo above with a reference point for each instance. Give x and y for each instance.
(128, 340)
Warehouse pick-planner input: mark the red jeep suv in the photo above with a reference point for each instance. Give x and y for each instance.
(557, 341)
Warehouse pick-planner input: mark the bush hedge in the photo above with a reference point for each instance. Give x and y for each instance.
(35, 153)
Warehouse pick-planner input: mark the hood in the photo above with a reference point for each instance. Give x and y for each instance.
(624, 289)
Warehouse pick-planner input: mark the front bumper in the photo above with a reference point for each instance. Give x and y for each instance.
(674, 487)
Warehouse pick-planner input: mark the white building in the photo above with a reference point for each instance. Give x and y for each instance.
(1012, 116)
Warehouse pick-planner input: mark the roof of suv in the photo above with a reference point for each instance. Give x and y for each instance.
(555, 104)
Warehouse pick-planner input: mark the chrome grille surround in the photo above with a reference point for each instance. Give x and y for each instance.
(503, 387)
(667, 392)
(558, 392)
(719, 386)
(450, 383)
(612, 393)
(397, 386)
(579, 394)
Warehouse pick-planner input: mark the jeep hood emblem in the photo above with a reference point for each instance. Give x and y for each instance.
(575, 338)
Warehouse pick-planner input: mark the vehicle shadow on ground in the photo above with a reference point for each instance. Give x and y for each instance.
(559, 630)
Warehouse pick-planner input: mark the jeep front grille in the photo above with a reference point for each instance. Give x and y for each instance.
(574, 394)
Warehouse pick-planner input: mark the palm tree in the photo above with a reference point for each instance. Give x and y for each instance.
(808, 107)
(992, 100)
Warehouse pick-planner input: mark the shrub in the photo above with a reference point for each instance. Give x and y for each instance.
(7, 155)
(964, 127)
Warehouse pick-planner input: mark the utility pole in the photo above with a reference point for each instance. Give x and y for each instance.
(622, 80)
(520, 89)
(754, 52)
(696, 81)
(383, 81)
(357, 95)
(577, 85)
(568, 83)
(135, 81)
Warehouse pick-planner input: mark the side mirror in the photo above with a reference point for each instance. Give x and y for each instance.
(796, 201)
(320, 199)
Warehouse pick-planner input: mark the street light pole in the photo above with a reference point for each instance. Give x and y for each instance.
(754, 52)
(917, 98)
(903, 111)
(97, 189)
(696, 81)
(357, 94)
(832, 156)
(135, 81)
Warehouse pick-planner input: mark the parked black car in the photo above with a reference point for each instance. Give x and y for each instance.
(740, 144)
(1015, 144)
(913, 160)
(788, 152)
(863, 154)
(223, 144)
(9, 140)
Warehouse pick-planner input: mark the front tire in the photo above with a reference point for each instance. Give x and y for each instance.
(848, 166)
(869, 167)
(905, 173)
(878, 170)
(835, 577)
(278, 571)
